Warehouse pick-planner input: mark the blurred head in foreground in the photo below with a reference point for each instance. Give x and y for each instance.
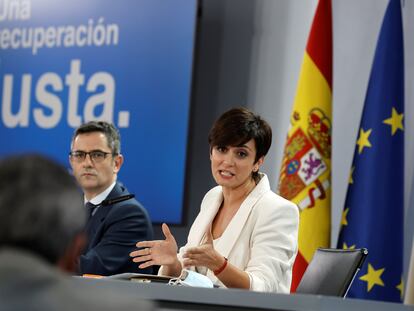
(41, 209)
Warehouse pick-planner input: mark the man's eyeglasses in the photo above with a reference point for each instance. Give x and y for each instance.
(96, 156)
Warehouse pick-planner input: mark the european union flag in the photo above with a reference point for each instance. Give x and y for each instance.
(373, 212)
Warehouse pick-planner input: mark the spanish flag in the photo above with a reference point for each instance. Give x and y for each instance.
(305, 176)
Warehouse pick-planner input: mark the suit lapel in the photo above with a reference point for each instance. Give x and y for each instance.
(94, 222)
(209, 210)
(117, 191)
(226, 242)
(204, 219)
(102, 211)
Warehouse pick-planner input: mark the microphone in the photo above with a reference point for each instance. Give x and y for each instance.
(117, 199)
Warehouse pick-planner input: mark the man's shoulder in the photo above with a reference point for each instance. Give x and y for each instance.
(124, 209)
(121, 192)
(128, 208)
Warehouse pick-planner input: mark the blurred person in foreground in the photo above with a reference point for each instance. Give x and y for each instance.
(115, 220)
(41, 222)
(245, 235)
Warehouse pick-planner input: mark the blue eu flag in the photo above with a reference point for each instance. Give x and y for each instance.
(373, 211)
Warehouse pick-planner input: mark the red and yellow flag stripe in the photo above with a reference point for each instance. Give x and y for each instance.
(305, 176)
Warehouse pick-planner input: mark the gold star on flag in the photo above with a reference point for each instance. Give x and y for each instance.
(395, 121)
(400, 287)
(373, 277)
(363, 140)
(351, 179)
(348, 247)
(344, 221)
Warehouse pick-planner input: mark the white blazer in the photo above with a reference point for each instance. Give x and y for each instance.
(261, 239)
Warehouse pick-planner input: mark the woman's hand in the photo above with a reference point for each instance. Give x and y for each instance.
(204, 255)
(158, 252)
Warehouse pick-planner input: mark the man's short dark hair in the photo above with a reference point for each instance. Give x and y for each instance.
(108, 129)
(41, 208)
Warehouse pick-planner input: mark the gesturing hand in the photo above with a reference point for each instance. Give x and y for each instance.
(158, 252)
(204, 255)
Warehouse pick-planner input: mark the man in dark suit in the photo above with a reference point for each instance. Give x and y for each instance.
(41, 221)
(116, 220)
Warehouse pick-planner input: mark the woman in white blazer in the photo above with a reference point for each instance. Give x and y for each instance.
(245, 235)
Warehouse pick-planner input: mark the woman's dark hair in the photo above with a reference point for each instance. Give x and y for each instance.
(237, 126)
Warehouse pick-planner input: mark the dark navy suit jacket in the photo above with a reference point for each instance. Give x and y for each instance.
(112, 234)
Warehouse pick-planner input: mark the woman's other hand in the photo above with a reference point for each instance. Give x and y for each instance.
(204, 255)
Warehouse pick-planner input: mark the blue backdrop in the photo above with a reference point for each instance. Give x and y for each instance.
(63, 63)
